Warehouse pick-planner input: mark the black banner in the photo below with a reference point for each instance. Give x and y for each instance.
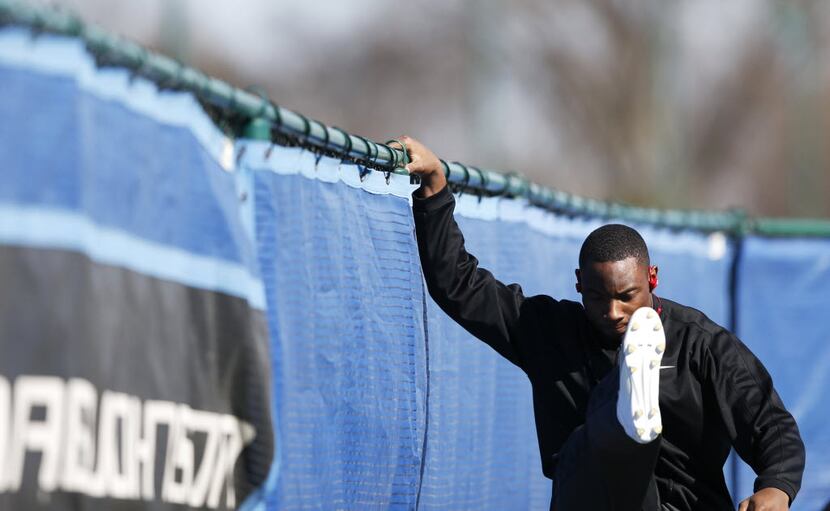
(123, 391)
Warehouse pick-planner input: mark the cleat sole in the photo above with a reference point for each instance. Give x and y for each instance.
(640, 376)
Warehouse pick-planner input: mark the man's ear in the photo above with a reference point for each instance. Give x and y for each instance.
(652, 277)
(578, 281)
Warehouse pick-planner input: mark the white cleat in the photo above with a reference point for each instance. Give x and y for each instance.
(640, 376)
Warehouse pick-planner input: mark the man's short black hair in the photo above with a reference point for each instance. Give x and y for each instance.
(613, 242)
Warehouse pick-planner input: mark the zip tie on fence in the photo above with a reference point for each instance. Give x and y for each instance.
(466, 182)
(74, 25)
(373, 158)
(348, 138)
(303, 137)
(38, 24)
(277, 114)
(174, 81)
(374, 152)
(396, 163)
(395, 153)
(266, 102)
(483, 180)
(524, 185)
(260, 125)
(365, 169)
(324, 147)
(326, 135)
(508, 177)
(139, 68)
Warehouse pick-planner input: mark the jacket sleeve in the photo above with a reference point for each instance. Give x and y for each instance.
(470, 295)
(762, 431)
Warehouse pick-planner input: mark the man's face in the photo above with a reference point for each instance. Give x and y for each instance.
(612, 291)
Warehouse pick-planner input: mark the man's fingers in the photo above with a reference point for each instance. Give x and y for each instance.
(416, 163)
(402, 143)
(398, 144)
(747, 505)
(415, 166)
(421, 160)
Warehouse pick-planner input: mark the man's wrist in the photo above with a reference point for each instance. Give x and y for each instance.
(431, 184)
(763, 483)
(434, 202)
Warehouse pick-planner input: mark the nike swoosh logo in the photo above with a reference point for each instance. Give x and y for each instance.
(667, 367)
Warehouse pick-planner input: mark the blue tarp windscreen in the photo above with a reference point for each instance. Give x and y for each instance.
(782, 316)
(345, 302)
(131, 306)
(159, 250)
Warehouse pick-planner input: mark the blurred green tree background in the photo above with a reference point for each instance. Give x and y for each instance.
(685, 104)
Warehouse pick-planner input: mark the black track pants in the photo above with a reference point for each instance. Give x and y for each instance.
(600, 468)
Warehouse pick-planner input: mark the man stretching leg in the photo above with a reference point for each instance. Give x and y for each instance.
(637, 399)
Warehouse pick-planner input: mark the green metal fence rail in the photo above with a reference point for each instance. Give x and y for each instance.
(257, 117)
(792, 227)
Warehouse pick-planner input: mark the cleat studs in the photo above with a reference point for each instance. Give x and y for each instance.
(633, 369)
(653, 364)
(658, 327)
(652, 413)
(635, 326)
(657, 430)
(661, 347)
(630, 349)
(638, 414)
(641, 432)
(650, 314)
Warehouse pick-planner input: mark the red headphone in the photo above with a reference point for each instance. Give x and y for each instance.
(652, 280)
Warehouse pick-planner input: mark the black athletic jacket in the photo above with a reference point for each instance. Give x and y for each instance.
(717, 395)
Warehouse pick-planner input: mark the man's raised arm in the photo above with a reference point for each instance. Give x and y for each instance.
(470, 295)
